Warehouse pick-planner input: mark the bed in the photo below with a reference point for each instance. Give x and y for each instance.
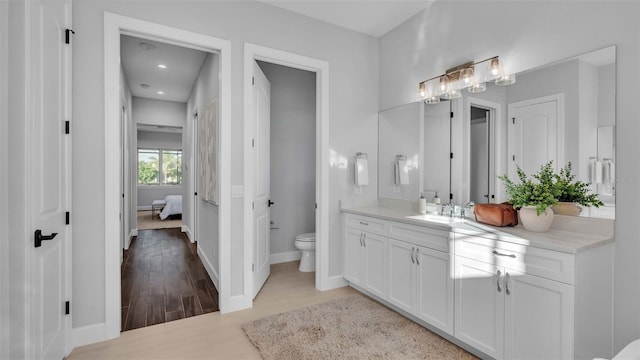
(173, 206)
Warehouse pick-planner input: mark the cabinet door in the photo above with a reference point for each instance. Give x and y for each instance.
(539, 318)
(434, 286)
(375, 264)
(353, 256)
(479, 305)
(401, 271)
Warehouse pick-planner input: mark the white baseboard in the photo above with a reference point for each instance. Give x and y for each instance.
(127, 241)
(144, 207)
(333, 282)
(90, 334)
(213, 274)
(185, 229)
(285, 257)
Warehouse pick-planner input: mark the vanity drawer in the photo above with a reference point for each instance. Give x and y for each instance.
(420, 235)
(553, 265)
(365, 223)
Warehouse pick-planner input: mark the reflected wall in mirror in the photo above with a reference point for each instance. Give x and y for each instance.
(413, 152)
(555, 112)
(563, 112)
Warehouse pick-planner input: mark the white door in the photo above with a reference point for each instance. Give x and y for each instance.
(479, 164)
(434, 286)
(123, 165)
(479, 305)
(195, 175)
(534, 136)
(401, 274)
(48, 154)
(538, 318)
(353, 256)
(261, 146)
(375, 264)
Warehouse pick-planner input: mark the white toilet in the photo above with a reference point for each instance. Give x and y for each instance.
(307, 244)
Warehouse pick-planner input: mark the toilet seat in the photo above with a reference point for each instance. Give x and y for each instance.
(307, 237)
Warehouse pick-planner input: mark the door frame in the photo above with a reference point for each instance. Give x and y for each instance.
(4, 178)
(195, 168)
(497, 142)
(114, 26)
(254, 52)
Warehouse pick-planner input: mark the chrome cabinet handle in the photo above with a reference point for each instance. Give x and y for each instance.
(361, 234)
(498, 275)
(364, 223)
(418, 256)
(501, 254)
(506, 283)
(412, 259)
(364, 239)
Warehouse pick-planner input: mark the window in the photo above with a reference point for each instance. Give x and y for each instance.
(159, 167)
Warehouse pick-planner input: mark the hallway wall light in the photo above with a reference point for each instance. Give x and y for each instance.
(472, 76)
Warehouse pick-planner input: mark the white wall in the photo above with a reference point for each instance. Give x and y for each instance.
(293, 154)
(607, 97)
(205, 90)
(155, 140)
(353, 64)
(158, 112)
(439, 38)
(4, 178)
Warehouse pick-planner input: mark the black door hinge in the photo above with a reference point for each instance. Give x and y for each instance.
(67, 308)
(67, 35)
(195, 193)
(450, 196)
(316, 205)
(67, 127)
(450, 155)
(452, 114)
(513, 120)
(253, 80)
(513, 157)
(67, 218)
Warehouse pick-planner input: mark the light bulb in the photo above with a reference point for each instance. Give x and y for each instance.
(444, 82)
(467, 75)
(421, 89)
(495, 67)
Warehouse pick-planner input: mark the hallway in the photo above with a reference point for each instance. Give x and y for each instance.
(164, 280)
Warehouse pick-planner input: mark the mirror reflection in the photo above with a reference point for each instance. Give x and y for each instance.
(563, 112)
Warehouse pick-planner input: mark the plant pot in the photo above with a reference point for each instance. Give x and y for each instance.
(533, 222)
(566, 208)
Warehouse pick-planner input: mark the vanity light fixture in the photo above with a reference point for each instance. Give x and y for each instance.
(470, 75)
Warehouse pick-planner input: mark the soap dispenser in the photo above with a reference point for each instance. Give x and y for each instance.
(436, 199)
(422, 204)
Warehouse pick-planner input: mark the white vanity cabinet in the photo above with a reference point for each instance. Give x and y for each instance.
(518, 302)
(419, 273)
(365, 245)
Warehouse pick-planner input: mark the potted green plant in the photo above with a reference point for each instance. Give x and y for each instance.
(570, 193)
(533, 197)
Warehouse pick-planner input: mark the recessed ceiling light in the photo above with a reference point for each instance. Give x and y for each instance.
(162, 66)
(146, 46)
(160, 92)
(144, 86)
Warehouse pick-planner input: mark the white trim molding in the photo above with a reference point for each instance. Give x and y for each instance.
(185, 229)
(284, 257)
(114, 26)
(215, 278)
(321, 69)
(85, 335)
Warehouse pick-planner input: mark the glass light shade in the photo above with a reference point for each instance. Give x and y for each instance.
(467, 76)
(453, 94)
(494, 67)
(444, 83)
(432, 100)
(506, 80)
(422, 88)
(477, 88)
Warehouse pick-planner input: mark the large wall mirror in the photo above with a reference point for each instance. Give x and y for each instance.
(564, 111)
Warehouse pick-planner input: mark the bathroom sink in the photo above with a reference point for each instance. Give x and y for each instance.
(437, 219)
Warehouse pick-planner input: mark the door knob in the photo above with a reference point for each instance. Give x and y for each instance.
(39, 238)
(269, 203)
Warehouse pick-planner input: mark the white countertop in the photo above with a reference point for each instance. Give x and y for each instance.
(568, 234)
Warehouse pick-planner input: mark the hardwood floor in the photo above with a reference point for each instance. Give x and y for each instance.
(215, 335)
(163, 280)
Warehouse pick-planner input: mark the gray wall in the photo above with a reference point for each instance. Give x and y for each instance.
(205, 90)
(293, 154)
(4, 170)
(607, 97)
(438, 38)
(158, 112)
(353, 81)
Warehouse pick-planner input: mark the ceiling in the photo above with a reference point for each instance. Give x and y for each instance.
(140, 63)
(141, 57)
(373, 17)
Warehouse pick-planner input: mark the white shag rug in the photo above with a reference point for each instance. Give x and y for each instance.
(353, 327)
